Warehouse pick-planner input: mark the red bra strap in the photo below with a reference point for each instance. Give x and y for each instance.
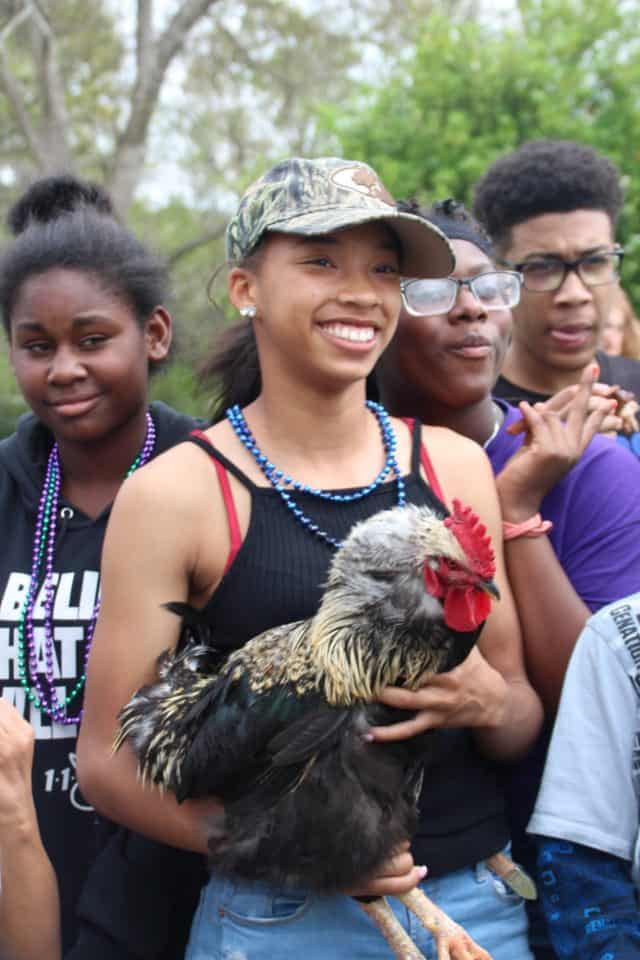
(235, 534)
(425, 461)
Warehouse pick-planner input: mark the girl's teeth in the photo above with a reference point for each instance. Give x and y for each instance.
(356, 334)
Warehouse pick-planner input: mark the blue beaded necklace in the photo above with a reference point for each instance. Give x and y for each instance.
(283, 484)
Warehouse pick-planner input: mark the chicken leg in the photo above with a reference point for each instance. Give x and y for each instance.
(391, 929)
(452, 942)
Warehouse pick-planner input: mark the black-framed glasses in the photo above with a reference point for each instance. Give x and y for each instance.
(495, 290)
(547, 274)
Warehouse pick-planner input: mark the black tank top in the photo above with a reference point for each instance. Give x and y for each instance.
(278, 576)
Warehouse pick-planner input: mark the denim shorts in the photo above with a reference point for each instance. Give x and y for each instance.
(237, 921)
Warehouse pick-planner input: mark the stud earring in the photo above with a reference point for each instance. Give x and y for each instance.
(248, 313)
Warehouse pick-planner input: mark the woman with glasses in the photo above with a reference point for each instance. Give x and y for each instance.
(569, 498)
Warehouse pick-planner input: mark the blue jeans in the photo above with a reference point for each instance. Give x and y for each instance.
(252, 922)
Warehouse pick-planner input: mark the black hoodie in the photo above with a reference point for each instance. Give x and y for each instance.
(72, 833)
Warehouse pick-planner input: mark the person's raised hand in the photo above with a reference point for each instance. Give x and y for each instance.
(556, 434)
(610, 398)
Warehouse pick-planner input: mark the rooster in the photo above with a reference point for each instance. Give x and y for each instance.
(278, 728)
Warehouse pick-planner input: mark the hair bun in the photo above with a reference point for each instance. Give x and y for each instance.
(51, 197)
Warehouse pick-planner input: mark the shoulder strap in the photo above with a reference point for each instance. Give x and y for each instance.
(420, 456)
(235, 534)
(202, 440)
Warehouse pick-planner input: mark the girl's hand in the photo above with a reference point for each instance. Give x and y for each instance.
(557, 433)
(397, 875)
(473, 694)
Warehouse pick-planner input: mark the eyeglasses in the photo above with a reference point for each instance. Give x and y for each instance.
(495, 290)
(549, 273)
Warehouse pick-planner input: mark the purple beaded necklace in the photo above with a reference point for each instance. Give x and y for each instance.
(43, 694)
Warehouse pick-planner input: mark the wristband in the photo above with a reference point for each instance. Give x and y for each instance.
(533, 527)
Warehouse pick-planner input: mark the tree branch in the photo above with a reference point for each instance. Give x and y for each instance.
(14, 93)
(144, 37)
(152, 65)
(56, 116)
(179, 252)
(172, 39)
(242, 55)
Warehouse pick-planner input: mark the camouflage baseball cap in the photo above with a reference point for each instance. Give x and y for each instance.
(315, 197)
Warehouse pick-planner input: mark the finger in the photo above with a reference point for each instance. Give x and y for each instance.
(430, 695)
(400, 698)
(624, 396)
(424, 720)
(611, 424)
(398, 866)
(395, 886)
(560, 400)
(519, 426)
(603, 389)
(391, 886)
(593, 424)
(536, 419)
(608, 404)
(561, 435)
(578, 407)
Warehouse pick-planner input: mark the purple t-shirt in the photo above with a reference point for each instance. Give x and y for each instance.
(595, 510)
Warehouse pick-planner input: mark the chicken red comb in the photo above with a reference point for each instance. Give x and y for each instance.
(472, 536)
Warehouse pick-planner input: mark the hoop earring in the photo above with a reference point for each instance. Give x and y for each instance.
(248, 313)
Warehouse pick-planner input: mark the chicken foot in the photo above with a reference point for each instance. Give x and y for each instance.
(452, 942)
(391, 929)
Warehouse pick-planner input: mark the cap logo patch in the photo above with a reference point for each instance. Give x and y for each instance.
(360, 179)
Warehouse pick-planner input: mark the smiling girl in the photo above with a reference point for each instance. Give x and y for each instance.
(316, 248)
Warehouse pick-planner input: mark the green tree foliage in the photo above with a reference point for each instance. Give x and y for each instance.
(451, 85)
(11, 402)
(474, 90)
(188, 99)
(76, 95)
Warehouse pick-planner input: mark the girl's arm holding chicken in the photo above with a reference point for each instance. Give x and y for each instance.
(490, 690)
(145, 563)
(180, 562)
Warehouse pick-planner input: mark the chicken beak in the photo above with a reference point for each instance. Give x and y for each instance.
(489, 587)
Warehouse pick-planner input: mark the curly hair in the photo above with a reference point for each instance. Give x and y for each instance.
(62, 221)
(50, 197)
(453, 219)
(545, 176)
